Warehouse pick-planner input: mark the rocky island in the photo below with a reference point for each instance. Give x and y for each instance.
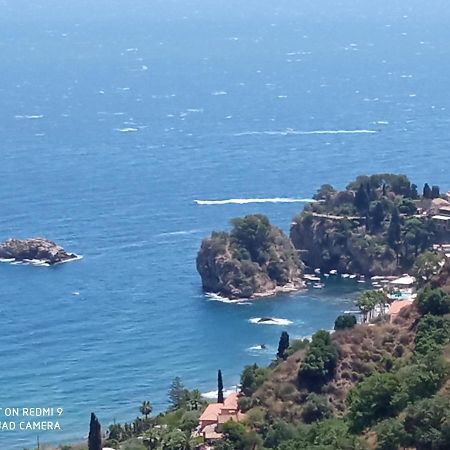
(34, 249)
(256, 259)
(378, 225)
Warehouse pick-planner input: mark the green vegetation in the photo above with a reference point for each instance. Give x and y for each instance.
(220, 398)
(255, 257)
(371, 228)
(283, 345)
(345, 321)
(319, 363)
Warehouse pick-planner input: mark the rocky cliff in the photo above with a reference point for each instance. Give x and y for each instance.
(255, 259)
(34, 249)
(342, 245)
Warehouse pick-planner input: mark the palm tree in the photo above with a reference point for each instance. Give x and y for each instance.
(146, 409)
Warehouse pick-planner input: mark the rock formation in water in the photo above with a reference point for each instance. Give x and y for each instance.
(34, 249)
(255, 259)
(377, 226)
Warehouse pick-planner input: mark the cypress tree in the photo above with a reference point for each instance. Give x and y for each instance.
(394, 230)
(283, 345)
(426, 191)
(95, 434)
(362, 199)
(435, 192)
(220, 398)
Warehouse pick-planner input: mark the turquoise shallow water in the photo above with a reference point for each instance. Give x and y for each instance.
(116, 119)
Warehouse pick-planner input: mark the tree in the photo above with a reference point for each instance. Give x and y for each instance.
(320, 361)
(377, 215)
(146, 409)
(177, 394)
(426, 266)
(220, 398)
(344, 321)
(435, 192)
(95, 434)
(252, 378)
(390, 434)
(372, 400)
(433, 301)
(427, 424)
(414, 194)
(394, 230)
(362, 199)
(368, 300)
(252, 233)
(316, 407)
(324, 192)
(426, 191)
(283, 345)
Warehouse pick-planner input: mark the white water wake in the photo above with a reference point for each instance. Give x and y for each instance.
(270, 321)
(245, 201)
(291, 132)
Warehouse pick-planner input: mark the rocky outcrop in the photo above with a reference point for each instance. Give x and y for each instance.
(40, 249)
(341, 245)
(254, 260)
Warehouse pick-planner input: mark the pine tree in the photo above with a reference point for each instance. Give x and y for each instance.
(283, 345)
(426, 191)
(95, 434)
(177, 394)
(220, 398)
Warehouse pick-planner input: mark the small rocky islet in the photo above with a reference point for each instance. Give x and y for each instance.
(34, 249)
(377, 226)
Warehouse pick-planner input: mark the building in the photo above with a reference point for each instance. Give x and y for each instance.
(396, 307)
(442, 216)
(216, 414)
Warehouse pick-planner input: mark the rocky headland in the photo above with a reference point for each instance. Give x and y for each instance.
(34, 249)
(255, 259)
(378, 225)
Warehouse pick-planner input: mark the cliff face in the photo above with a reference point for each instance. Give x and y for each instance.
(373, 227)
(342, 245)
(254, 259)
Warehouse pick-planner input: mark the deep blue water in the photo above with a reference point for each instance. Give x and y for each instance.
(204, 93)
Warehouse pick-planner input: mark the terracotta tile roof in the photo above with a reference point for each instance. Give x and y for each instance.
(396, 306)
(211, 412)
(231, 402)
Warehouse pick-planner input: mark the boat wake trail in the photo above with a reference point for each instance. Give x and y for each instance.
(244, 201)
(291, 132)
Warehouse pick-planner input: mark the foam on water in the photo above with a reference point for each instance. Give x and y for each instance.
(127, 130)
(270, 321)
(31, 117)
(211, 395)
(291, 132)
(218, 298)
(244, 201)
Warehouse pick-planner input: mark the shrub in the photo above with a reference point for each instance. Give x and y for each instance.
(372, 400)
(433, 301)
(390, 435)
(317, 407)
(344, 321)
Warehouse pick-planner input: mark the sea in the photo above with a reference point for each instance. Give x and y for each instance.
(132, 129)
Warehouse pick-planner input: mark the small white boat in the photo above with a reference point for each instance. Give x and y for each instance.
(326, 275)
(318, 285)
(352, 277)
(311, 277)
(345, 275)
(317, 271)
(333, 272)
